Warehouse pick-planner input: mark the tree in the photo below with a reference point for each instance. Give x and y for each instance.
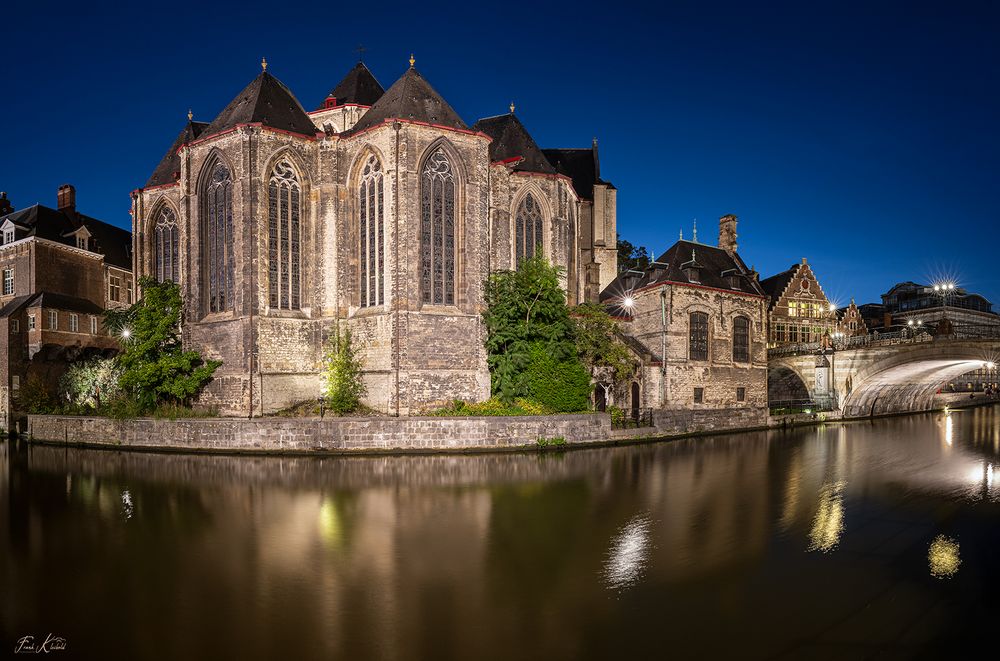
(90, 383)
(631, 257)
(524, 307)
(343, 385)
(599, 343)
(562, 385)
(154, 367)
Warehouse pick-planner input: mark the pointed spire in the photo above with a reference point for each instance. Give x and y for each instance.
(512, 107)
(263, 64)
(680, 235)
(413, 60)
(692, 255)
(190, 115)
(694, 231)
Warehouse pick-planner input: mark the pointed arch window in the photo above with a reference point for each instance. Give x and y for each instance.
(284, 237)
(371, 232)
(437, 230)
(528, 228)
(166, 237)
(217, 238)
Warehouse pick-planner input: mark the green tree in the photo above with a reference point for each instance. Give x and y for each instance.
(526, 316)
(342, 374)
(631, 256)
(562, 385)
(599, 344)
(90, 383)
(155, 368)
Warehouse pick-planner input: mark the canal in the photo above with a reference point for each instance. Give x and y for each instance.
(839, 541)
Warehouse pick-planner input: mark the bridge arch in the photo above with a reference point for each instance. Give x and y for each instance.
(904, 378)
(786, 384)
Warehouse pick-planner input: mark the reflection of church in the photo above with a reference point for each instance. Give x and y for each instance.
(382, 211)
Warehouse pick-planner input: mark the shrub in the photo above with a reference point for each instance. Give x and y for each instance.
(34, 397)
(89, 384)
(343, 385)
(562, 385)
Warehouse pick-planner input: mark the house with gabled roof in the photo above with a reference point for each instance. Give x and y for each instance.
(799, 312)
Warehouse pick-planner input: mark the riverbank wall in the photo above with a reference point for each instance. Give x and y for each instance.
(377, 434)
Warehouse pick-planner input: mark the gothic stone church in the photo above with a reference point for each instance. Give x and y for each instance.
(381, 212)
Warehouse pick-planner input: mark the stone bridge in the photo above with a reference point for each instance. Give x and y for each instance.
(889, 376)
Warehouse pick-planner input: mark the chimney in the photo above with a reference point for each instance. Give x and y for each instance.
(66, 198)
(5, 206)
(727, 233)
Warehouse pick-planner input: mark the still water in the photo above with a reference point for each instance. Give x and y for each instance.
(856, 541)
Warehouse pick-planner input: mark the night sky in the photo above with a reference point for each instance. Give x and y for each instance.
(861, 136)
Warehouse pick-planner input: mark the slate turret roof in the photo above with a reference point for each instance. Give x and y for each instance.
(411, 98)
(358, 86)
(59, 226)
(512, 140)
(264, 101)
(169, 168)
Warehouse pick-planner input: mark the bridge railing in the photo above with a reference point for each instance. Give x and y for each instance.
(874, 339)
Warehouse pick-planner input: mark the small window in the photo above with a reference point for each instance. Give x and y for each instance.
(699, 395)
(129, 291)
(15, 382)
(8, 236)
(15, 326)
(8, 282)
(114, 288)
(741, 394)
(31, 322)
(53, 320)
(93, 325)
(81, 242)
(74, 323)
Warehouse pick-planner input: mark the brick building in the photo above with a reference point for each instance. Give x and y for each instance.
(851, 322)
(697, 318)
(798, 310)
(381, 212)
(60, 270)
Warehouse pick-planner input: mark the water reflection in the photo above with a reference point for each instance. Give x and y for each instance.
(511, 555)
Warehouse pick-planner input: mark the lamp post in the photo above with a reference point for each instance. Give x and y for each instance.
(943, 290)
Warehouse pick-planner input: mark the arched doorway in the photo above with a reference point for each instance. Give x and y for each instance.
(600, 398)
(635, 401)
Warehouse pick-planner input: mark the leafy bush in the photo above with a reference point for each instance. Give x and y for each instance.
(343, 385)
(155, 369)
(548, 442)
(34, 397)
(561, 384)
(617, 416)
(89, 384)
(599, 344)
(493, 407)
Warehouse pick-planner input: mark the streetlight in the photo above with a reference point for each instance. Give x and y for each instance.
(126, 333)
(628, 302)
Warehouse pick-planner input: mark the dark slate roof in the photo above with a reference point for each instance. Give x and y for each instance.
(358, 86)
(170, 165)
(266, 101)
(583, 166)
(45, 223)
(62, 302)
(716, 265)
(776, 284)
(511, 140)
(411, 97)
(14, 305)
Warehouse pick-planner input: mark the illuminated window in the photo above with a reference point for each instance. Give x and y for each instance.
(74, 323)
(53, 320)
(741, 340)
(698, 336)
(437, 230)
(218, 256)
(31, 322)
(165, 246)
(528, 228)
(93, 325)
(8, 282)
(370, 200)
(284, 237)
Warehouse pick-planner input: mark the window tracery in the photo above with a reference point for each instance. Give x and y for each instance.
(372, 225)
(217, 243)
(437, 230)
(166, 237)
(284, 237)
(528, 228)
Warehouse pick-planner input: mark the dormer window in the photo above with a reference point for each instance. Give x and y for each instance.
(81, 242)
(8, 236)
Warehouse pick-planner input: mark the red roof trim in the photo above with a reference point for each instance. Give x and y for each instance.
(159, 186)
(343, 105)
(389, 120)
(655, 285)
(260, 125)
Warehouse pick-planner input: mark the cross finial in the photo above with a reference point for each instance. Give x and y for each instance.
(190, 115)
(361, 52)
(413, 60)
(694, 231)
(512, 107)
(263, 64)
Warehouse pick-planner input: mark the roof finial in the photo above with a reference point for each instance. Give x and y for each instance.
(680, 235)
(190, 115)
(512, 107)
(361, 52)
(692, 255)
(413, 60)
(263, 64)
(694, 231)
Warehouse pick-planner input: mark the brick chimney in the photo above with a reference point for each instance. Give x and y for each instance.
(727, 233)
(5, 206)
(66, 198)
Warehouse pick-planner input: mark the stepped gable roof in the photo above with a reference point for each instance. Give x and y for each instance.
(358, 86)
(264, 101)
(583, 166)
(170, 165)
(59, 226)
(411, 97)
(715, 267)
(775, 286)
(512, 140)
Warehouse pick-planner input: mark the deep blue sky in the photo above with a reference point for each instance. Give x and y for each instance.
(862, 136)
